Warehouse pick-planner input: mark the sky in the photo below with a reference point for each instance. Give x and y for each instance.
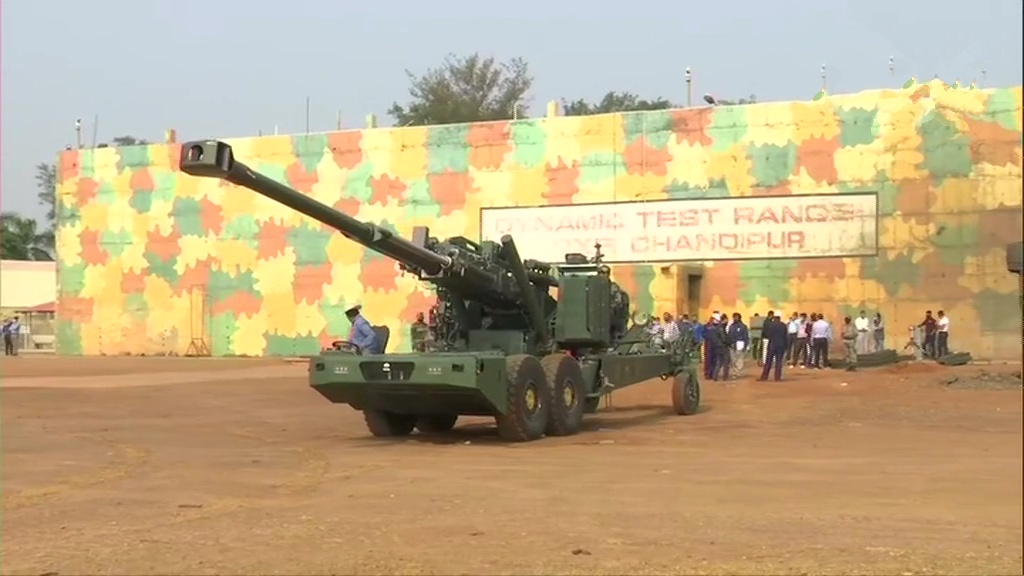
(227, 69)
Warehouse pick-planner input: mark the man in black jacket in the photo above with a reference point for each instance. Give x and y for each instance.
(778, 342)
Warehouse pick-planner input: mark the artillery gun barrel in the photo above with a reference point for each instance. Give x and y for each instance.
(214, 159)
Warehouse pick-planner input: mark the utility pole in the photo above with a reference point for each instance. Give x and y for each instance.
(689, 88)
(823, 83)
(892, 67)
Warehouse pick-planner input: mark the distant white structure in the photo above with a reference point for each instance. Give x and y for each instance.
(25, 284)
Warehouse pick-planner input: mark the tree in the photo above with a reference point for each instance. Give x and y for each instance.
(740, 102)
(613, 102)
(128, 141)
(20, 239)
(46, 189)
(466, 89)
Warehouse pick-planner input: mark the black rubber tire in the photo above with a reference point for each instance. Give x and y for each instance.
(685, 394)
(436, 423)
(519, 423)
(564, 377)
(388, 424)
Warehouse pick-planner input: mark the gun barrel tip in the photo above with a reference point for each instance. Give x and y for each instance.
(506, 239)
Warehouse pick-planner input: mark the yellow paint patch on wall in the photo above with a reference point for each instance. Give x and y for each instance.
(194, 249)
(804, 183)
(599, 134)
(234, 256)
(861, 290)
(495, 187)
(816, 289)
(689, 162)
(733, 166)
(814, 120)
(901, 141)
(272, 149)
(988, 271)
(159, 217)
(120, 214)
(104, 164)
(133, 257)
(280, 310)
(644, 186)
(68, 241)
(529, 185)
(249, 339)
(101, 282)
(94, 217)
(308, 320)
(343, 252)
(771, 123)
(410, 161)
(237, 202)
(664, 289)
(378, 148)
(860, 164)
(592, 192)
(959, 195)
(341, 286)
(998, 192)
(275, 275)
(561, 143)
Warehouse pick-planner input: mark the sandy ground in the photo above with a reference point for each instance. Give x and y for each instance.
(175, 466)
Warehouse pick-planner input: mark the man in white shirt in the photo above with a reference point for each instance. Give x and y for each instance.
(821, 336)
(792, 331)
(942, 337)
(863, 327)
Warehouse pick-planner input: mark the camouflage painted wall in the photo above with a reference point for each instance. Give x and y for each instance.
(151, 259)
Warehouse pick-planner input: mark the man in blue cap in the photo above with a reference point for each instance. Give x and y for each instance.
(362, 334)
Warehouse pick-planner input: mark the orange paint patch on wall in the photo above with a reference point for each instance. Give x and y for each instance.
(86, 191)
(309, 282)
(914, 198)
(211, 215)
(380, 273)
(166, 247)
(271, 240)
(386, 188)
(74, 309)
(450, 189)
(194, 276)
(416, 302)
(142, 180)
(345, 148)
(724, 278)
(68, 166)
(817, 157)
(133, 282)
(488, 145)
(641, 158)
(299, 178)
(238, 303)
(833, 268)
(92, 252)
(562, 186)
(993, 144)
(691, 126)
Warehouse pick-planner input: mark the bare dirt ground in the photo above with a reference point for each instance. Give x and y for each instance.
(175, 466)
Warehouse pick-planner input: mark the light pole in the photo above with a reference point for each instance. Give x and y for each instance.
(689, 88)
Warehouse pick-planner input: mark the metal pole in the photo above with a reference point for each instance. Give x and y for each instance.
(307, 114)
(689, 88)
(78, 134)
(892, 67)
(823, 77)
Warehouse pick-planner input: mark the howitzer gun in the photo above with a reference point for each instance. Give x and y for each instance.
(502, 344)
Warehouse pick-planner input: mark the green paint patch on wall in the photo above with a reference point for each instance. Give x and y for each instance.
(772, 165)
(892, 269)
(310, 244)
(115, 242)
(530, 140)
(69, 338)
(223, 327)
(946, 150)
(448, 149)
(655, 126)
(767, 279)
(72, 278)
(1002, 107)
(857, 126)
(728, 127)
(600, 167)
(278, 345)
(419, 204)
(309, 150)
(357, 184)
(187, 214)
(132, 157)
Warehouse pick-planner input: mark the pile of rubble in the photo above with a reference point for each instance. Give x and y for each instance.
(985, 380)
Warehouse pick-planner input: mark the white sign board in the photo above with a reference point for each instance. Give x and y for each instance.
(799, 226)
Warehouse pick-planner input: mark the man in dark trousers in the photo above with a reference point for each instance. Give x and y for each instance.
(776, 333)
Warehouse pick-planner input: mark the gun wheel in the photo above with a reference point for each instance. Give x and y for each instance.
(528, 400)
(387, 424)
(685, 394)
(568, 396)
(436, 423)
